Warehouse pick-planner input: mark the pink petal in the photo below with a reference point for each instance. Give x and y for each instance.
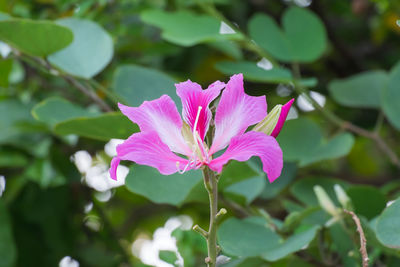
(236, 112)
(243, 147)
(146, 148)
(193, 97)
(113, 168)
(160, 115)
(282, 118)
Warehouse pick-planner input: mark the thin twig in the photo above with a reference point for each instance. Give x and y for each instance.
(363, 240)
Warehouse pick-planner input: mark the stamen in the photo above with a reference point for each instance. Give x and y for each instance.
(195, 122)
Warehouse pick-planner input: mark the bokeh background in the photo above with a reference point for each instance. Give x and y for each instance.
(65, 65)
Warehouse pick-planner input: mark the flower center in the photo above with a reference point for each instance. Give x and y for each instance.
(200, 155)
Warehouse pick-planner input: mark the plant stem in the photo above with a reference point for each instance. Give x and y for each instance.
(211, 184)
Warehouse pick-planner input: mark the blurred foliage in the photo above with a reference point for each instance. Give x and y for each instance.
(66, 64)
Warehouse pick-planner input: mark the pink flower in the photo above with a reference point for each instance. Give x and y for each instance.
(170, 145)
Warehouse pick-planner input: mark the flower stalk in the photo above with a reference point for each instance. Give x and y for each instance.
(211, 184)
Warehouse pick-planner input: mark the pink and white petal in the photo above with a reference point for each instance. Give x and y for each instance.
(282, 118)
(146, 148)
(193, 97)
(236, 111)
(243, 147)
(160, 115)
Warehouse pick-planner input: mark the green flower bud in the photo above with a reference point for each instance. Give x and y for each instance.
(268, 124)
(325, 201)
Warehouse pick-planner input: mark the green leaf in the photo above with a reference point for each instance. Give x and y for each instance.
(89, 53)
(54, 110)
(135, 84)
(303, 189)
(298, 137)
(301, 140)
(303, 38)
(254, 73)
(5, 70)
(8, 250)
(235, 172)
(184, 27)
(171, 189)
(271, 190)
(103, 127)
(12, 113)
(43, 173)
(363, 90)
(294, 243)
(391, 97)
(12, 158)
(248, 189)
(167, 256)
(388, 225)
(337, 147)
(37, 38)
(370, 206)
(244, 238)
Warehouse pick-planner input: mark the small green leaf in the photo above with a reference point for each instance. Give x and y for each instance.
(170, 189)
(303, 38)
(37, 38)
(370, 206)
(248, 189)
(388, 225)
(363, 90)
(235, 172)
(135, 84)
(89, 53)
(254, 73)
(294, 243)
(391, 97)
(184, 27)
(8, 250)
(103, 127)
(245, 238)
(54, 110)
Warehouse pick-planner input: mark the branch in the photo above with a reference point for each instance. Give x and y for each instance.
(363, 240)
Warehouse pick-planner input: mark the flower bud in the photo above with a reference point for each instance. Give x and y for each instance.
(325, 201)
(342, 196)
(273, 122)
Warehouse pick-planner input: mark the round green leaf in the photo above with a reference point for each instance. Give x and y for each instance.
(391, 97)
(246, 238)
(361, 90)
(8, 253)
(55, 109)
(135, 84)
(171, 189)
(369, 206)
(298, 137)
(103, 127)
(89, 53)
(247, 189)
(388, 225)
(37, 38)
(294, 243)
(184, 27)
(336, 147)
(302, 39)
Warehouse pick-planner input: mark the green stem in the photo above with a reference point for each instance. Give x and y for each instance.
(211, 184)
